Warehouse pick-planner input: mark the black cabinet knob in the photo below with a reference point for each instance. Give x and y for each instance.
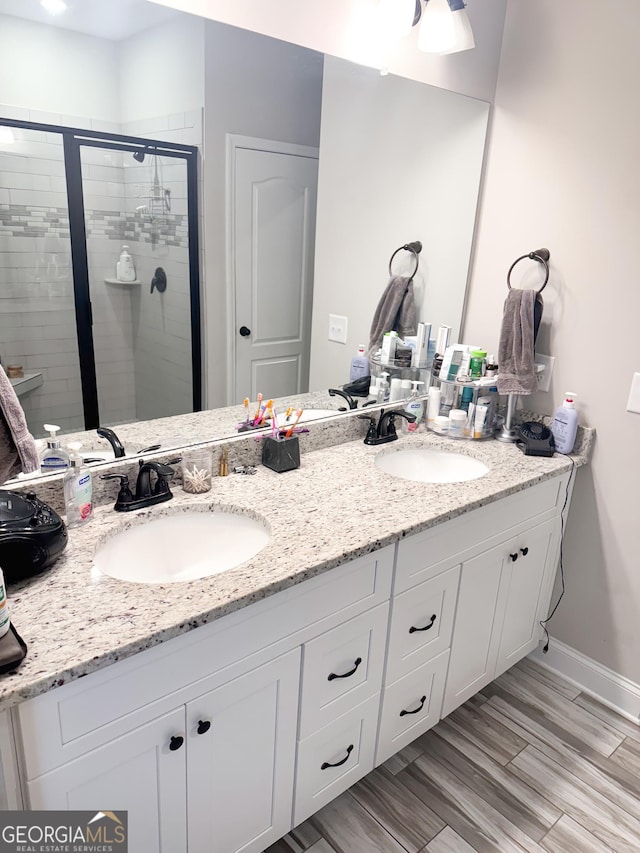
(244, 331)
(203, 726)
(176, 742)
(524, 551)
(513, 557)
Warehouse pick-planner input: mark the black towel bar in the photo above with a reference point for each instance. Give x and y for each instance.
(542, 257)
(415, 248)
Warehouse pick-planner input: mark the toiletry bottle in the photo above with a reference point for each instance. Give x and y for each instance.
(433, 405)
(492, 366)
(383, 387)
(78, 490)
(359, 365)
(565, 424)
(5, 620)
(53, 458)
(415, 406)
(478, 361)
(125, 270)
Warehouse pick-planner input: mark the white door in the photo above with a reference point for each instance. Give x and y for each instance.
(273, 215)
(241, 738)
(143, 773)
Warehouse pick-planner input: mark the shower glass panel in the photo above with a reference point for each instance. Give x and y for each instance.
(37, 313)
(142, 330)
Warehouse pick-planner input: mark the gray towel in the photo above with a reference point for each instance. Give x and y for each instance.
(17, 447)
(516, 372)
(396, 311)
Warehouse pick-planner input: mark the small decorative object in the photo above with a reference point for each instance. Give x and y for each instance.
(159, 281)
(196, 472)
(15, 371)
(281, 454)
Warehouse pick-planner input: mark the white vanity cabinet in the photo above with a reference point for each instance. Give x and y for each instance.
(222, 739)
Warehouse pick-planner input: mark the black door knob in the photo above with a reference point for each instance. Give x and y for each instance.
(203, 726)
(176, 742)
(244, 331)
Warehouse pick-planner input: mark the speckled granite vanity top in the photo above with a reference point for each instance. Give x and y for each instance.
(337, 506)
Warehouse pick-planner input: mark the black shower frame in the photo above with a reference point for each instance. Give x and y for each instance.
(73, 138)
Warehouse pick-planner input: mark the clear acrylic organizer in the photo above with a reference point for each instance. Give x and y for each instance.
(467, 397)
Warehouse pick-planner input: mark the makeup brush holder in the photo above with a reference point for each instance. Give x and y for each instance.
(281, 454)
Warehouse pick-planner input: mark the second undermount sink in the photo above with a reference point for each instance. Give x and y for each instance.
(427, 465)
(182, 547)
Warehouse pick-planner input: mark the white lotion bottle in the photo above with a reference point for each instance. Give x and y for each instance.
(125, 271)
(565, 424)
(359, 365)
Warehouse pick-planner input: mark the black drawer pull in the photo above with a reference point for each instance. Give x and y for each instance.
(356, 664)
(524, 551)
(417, 710)
(413, 628)
(203, 726)
(326, 764)
(513, 557)
(176, 742)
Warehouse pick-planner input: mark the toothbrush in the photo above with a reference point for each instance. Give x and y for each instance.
(257, 415)
(265, 411)
(274, 424)
(246, 410)
(288, 414)
(289, 432)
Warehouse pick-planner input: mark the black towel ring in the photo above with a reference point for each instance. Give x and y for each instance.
(415, 248)
(542, 257)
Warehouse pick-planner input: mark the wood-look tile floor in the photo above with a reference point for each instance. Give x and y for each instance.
(530, 764)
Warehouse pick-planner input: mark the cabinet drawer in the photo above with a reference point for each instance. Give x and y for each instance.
(421, 623)
(333, 759)
(411, 706)
(427, 554)
(342, 668)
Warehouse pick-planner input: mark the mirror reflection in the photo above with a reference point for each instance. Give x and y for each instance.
(313, 172)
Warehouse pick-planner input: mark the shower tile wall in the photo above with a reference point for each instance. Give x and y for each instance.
(37, 318)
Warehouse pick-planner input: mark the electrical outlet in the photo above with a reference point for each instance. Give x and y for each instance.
(633, 403)
(338, 328)
(544, 378)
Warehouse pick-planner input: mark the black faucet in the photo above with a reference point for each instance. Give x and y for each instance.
(148, 492)
(114, 441)
(385, 430)
(353, 404)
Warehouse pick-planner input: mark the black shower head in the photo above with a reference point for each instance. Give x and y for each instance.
(139, 156)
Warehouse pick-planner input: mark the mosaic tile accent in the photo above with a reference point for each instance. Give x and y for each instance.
(20, 220)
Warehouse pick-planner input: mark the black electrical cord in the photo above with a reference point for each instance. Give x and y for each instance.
(543, 622)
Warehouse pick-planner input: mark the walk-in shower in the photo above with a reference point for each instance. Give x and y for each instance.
(99, 351)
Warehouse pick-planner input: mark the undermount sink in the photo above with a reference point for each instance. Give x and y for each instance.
(426, 465)
(182, 547)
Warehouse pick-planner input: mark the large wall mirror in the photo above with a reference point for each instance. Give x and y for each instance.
(313, 171)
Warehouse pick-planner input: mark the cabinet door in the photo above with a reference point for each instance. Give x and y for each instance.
(241, 738)
(143, 772)
(528, 580)
(476, 632)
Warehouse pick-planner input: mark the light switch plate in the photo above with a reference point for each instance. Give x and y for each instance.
(633, 403)
(544, 378)
(338, 328)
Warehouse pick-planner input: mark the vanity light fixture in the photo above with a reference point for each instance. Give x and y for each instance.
(444, 24)
(54, 7)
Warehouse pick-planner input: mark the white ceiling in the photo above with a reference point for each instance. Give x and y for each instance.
(110, 19)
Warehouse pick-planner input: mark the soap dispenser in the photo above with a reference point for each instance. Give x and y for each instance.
(415, 407)
(78, 489)
(125, 271)
(53, 458)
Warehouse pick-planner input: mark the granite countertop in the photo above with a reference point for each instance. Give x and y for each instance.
(337, 506)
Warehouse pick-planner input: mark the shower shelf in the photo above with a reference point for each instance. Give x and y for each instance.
(117, 281)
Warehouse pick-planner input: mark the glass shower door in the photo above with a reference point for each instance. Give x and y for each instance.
(37, 311)
(142, 329)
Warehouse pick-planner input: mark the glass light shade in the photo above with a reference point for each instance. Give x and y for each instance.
(463, 33)
(54, 7)
(437, 28)
(396, 16)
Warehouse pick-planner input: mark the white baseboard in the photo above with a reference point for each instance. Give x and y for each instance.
(613, 690)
